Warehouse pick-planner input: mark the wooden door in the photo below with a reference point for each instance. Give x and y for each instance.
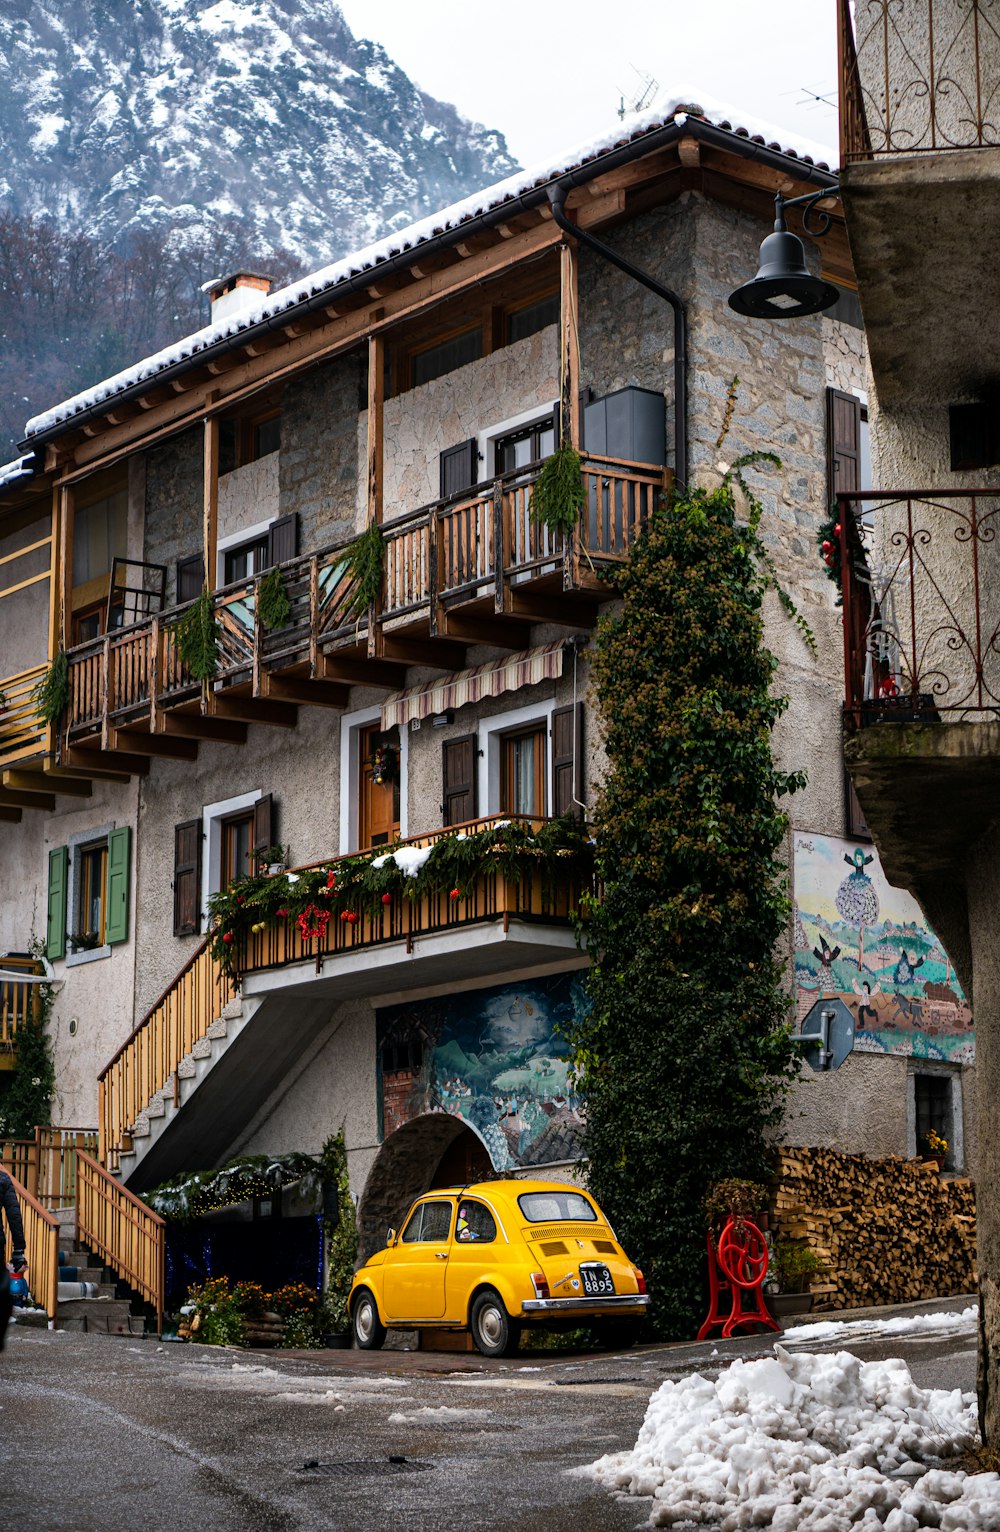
(378, 817)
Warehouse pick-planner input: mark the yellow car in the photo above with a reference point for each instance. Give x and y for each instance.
(493, 1257)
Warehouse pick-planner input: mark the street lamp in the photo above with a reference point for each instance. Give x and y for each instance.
(784, 287)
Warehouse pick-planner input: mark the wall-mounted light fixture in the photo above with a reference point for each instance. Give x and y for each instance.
(784, 287)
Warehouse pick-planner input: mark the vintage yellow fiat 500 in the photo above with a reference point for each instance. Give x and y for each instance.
(493, 1257)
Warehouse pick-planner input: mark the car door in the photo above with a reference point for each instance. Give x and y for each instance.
(473, 1252)
(415, 1268)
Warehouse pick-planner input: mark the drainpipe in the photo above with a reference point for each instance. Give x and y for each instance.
(557, 198)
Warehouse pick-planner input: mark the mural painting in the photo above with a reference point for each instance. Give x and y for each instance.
(860, 939)
(495, 1057)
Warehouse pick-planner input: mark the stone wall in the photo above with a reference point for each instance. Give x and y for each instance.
(174, 503)
(318, 460)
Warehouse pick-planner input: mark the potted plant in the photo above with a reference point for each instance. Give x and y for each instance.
(795, 1266)
(933, 1148)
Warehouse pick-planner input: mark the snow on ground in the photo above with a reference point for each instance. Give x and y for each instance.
(807, 1443)
(436, 1415)
(860, 1329)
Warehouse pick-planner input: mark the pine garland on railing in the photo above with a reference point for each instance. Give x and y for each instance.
(51, 695)
(557, 497)
(366, 558)
(357, 885)
(198, 637)
(273, 603)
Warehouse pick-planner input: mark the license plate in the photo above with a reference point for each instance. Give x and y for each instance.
(597, 1281)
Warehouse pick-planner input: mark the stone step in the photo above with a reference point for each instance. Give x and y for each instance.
(101, 1316)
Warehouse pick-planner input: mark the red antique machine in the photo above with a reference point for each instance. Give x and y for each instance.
(737, 1265)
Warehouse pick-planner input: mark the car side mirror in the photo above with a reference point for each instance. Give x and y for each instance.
(390, 1238)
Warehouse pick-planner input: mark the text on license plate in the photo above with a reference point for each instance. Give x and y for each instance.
(597, 1281)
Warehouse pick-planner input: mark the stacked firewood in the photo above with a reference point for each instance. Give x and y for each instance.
(887, 1231)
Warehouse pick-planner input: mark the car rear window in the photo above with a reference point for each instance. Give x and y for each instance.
(556, 1207)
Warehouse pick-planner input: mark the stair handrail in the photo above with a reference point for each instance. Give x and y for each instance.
(118, 1226)
(41, 1249)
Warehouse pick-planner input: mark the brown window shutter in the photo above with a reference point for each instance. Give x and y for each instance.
(190, 578)
(187, 878)
(567, 760)
(843, 442)
(460, 758)
(459, 468)
(263, 828)
(283, 539)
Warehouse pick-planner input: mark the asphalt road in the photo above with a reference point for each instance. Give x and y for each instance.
(104, 1434)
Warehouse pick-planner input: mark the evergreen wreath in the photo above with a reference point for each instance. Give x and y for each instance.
(685, 1054)
(51, 695)
(366, 560)
(557, 497)
(198, 637)
(272, 600)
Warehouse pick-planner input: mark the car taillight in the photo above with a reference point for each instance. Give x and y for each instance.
(640, 1279)
(540, 1285)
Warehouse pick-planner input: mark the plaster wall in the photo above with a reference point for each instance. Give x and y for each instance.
(982, 891)
(247, 496)
(860, 1108)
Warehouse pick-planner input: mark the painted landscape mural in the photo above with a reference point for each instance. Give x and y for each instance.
(494, 1057)
(860, 939)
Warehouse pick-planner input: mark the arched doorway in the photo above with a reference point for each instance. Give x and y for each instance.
(434, 1149)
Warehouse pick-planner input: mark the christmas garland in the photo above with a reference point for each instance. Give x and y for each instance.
(557, 497)
(366, 558)
(51, 694)
(197, 635)
(272, 600)
(367, 883)
(250, 1175)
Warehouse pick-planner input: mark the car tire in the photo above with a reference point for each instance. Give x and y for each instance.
(369, 1331)
(493, 1330)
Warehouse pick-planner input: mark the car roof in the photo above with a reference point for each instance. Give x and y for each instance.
(511, 1186)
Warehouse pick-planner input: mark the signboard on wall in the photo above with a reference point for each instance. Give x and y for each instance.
(497, 1058)
(866, 943)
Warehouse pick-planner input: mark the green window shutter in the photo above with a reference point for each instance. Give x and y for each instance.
(116, 918)
(55, 934)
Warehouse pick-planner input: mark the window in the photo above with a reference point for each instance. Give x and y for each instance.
(430, 1224)
(553, 1207)
(248, 440)
(445, 356)
(528, 444)
(522, 771)
(933, 1109)
(92, 872)
(88, 895)
(247, 553)
(531, 317)
(475, 1223)
(224, 843)
(402, 1055)
(99, 536)
(237, 844)
(244, 560)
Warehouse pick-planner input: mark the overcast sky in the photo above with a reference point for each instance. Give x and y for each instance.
(548, 73)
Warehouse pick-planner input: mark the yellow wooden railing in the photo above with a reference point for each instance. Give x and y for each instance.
(41, 1242)
(23, 733)
(150, 1056)
(18, 1002)
(46, 1163)
(111, 1221)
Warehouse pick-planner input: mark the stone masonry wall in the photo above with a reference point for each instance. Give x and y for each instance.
(318, 459)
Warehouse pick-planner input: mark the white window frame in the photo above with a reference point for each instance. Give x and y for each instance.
(490, 731)
(486, 441)
(212, 817)
(99, 835)
(351, 725)
(236, 540)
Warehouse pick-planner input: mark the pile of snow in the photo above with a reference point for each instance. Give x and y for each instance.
(861, 1329)
(814, 1443)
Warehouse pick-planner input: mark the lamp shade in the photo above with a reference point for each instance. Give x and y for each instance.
(784, 287)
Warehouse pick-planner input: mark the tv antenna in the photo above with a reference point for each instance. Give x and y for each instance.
(638, 101)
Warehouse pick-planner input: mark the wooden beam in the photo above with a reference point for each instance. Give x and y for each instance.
(56, 774)
(569, 347)
(210, 499)
(139, 742)
(504, 633)
(45, 782)
(383, 673)
(312, 693)
(438, 653)
(65, 570)
(23, 800)
(376, 402)
(191, 726)
(281, 715)
(568, 613)
(10, 816)
(113, 766)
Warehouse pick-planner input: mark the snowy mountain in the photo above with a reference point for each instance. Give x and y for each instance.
(176, 116)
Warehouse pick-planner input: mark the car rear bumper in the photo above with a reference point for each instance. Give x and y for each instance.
(638, 1302)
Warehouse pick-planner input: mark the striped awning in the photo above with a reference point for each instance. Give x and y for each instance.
(491, 680)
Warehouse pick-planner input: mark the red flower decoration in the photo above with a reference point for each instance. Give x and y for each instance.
(313, 922)
(456, 893)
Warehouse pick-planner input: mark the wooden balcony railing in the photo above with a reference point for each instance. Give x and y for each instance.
(128, 1235)
(436, 559)
(19, 1002)
(41, 1239)
(23, 734)
(918, 78)
(921, 591)
(182, 1016)
(46, 1163)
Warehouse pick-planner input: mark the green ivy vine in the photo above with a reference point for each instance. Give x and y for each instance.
(685, 1054)
(27, 1099)
(557, 497)
(198, 637)
(273, 603)
(51, 695)
(341, 1237)
(366, 560)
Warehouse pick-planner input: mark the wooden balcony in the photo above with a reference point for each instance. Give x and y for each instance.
(19, 1004)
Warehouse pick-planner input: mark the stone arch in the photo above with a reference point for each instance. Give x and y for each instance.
(404, 1168)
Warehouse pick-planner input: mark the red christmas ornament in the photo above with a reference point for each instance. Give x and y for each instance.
(836, 530)
(282, 914)
(827, 545)
(352, 918)
(227, 937)
(331, 880)
(239, 898)
(456, 893)
(386, 898)
(345, 914)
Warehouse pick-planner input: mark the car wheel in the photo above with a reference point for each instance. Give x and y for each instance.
(493, 1330)
(369, 1331)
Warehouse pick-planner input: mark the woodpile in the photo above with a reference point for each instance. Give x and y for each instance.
(264, 1330)
(887, 1231)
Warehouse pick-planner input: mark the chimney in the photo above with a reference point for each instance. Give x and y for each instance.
(234, 294)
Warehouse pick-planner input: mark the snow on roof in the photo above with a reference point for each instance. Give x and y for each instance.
(661, 112)
(17, 468)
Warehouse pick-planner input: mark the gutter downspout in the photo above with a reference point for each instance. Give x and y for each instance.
(557, 198)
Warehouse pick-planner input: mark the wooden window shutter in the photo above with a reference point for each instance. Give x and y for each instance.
(187, 878)
(190, 578)
(459, 468)
(283, 539)
(117, 893)
(55, 931)
(567, 760)
(843, 442)
(459, 757)
(263, 828)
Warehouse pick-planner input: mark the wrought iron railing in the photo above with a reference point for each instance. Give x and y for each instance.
(921, 595)
(917, 77)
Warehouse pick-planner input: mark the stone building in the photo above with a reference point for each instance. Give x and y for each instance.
(415, 386)
(921, 160)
